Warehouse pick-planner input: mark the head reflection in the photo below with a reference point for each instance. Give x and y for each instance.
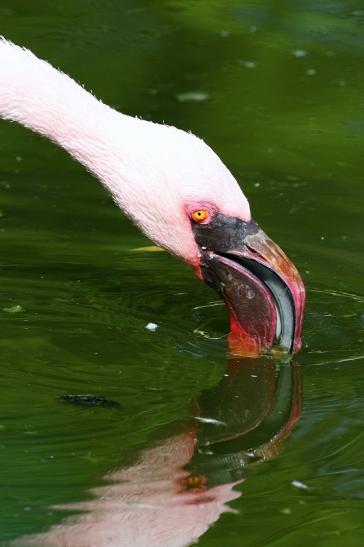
(178, 488)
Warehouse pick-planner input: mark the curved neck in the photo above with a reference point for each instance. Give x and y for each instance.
(152, 170)
(49, 102)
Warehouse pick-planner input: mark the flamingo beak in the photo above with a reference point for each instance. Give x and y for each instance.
(262, 289)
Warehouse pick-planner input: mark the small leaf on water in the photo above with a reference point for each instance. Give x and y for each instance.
(192, 97)
(148, 249)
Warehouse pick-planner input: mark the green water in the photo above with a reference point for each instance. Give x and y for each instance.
(281, 89)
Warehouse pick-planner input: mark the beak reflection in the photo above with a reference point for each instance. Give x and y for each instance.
(181, 485)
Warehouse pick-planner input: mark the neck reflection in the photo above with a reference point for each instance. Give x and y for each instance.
(180, 486)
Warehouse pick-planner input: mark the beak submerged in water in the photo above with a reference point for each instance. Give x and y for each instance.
(262, 289)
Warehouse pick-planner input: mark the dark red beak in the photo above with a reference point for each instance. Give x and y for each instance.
(262, 289)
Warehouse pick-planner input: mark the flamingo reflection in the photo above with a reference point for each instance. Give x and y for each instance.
(182, 485)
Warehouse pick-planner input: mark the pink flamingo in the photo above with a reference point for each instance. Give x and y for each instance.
(175, 188)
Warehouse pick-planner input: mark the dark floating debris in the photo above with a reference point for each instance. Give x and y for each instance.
(87, 399)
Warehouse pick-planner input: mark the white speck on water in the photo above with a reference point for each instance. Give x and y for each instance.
(256, 184)
(253, 376)
(192, 97)
(18, 158)
(311, 72)
(322, 238)
(299, 484)
(209, 421)
(14, 309)
(286, 511)
(299, 53)
(152, 327)
(249, 64)
(205, 451)
(5, 184)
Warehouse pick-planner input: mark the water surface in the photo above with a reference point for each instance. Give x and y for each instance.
(277, 89)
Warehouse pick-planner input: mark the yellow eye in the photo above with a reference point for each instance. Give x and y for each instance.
(200, 215)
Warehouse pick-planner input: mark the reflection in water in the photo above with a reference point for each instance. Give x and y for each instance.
(182, 485)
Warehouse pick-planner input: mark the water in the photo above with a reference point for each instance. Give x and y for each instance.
(278, 90)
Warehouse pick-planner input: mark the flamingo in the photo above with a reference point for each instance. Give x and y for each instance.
(174, 188)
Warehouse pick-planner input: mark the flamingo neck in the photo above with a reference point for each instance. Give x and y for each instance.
(49, 102)
(152, 170)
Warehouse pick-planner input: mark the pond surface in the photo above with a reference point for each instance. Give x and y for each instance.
(193, 443)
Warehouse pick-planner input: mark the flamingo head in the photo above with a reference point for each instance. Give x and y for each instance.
(175, 188)
(190, 204)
